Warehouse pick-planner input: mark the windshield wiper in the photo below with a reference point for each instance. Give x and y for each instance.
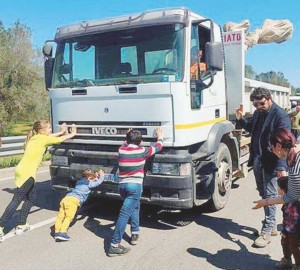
(82, 83)
(87, 83)
(130, 82)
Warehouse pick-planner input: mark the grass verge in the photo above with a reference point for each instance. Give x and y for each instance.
(17, 129)
(12, 161)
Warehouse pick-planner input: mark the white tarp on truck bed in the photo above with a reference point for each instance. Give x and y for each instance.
(271, 31)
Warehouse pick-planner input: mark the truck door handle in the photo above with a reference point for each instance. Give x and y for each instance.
(127, 90)
(217, 113)
(79, 92)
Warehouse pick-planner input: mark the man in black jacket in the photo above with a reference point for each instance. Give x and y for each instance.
(267, 117)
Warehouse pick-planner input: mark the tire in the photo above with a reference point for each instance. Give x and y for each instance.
(222, 179)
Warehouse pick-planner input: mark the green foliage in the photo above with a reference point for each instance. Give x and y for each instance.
(295, 91)
(19, 129)
(269, 77)
(273, 78)
(12, 161)
(249, 72)
(22, 91)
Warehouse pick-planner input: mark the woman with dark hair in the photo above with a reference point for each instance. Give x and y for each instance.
(284, 145)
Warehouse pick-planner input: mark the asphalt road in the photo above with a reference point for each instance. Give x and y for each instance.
(169, 239)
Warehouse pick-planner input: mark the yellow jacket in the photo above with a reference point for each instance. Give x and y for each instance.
(296, 121)
(32, 157)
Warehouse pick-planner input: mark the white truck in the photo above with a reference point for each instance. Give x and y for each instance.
(134, 72)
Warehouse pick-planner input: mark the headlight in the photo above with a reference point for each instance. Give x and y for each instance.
(171, 168)
(60, 160)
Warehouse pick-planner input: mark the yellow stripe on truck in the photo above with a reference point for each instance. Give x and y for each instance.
(200, 124)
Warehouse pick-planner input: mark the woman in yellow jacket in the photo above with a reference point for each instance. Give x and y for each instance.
(38, 139)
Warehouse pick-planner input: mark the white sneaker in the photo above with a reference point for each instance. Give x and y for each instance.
(22, 228)
(1, 234)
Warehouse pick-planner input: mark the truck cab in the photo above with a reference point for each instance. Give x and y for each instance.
(136, 72)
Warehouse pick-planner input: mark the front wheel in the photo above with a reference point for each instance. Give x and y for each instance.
(222, 179)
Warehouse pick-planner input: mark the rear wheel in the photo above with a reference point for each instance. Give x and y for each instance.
(222, 178)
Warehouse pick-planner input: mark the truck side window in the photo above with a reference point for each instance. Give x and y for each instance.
(129, 55)
(199, 36)
(195, 95)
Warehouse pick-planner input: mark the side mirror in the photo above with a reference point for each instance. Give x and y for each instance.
(48, 68)
(47, 50)
(48, 64)
(214, 56)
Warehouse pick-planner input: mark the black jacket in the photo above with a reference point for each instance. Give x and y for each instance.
(276, 118)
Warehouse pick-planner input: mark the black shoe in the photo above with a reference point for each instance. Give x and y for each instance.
(134, 239)
(117, 251)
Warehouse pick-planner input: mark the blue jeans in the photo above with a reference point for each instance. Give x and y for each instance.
(267, 188)
(131, 193)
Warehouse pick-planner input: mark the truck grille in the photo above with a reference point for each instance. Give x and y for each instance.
(90, 147)
(111, 131)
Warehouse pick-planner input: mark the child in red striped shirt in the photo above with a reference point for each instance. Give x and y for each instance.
(132, 157)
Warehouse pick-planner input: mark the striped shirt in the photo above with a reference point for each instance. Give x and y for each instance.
(132, 159)
(293, 193)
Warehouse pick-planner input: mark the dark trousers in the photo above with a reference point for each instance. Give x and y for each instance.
(290, 246)
(295, 132)
(25, 193)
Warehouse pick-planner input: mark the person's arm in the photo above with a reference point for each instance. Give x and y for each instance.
(71, 135)
(266, 202)
(98, 182)
(63, 130)
(51, 140)
(124, 144)
(159, 133)
(293, 193)
(241, 120)
(281, 173)
(284, 121)
(149, 151)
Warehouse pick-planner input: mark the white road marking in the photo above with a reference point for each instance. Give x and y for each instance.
(9, 178)
(32, 227)
(35, 226)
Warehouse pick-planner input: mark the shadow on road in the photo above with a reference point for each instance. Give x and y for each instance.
(46, 198)
(159, 219)
(235, 259)
(103, 231)
(224, 227)
(162, 219)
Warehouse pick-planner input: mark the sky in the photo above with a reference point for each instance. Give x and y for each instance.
(43, 18)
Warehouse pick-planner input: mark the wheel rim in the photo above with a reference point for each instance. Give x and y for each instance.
(224, 175)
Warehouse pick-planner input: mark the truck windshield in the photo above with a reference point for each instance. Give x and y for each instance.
(140, 55)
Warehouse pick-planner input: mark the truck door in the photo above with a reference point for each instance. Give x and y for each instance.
(198, 68)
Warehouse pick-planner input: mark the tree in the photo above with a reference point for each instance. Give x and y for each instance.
(249, 72)
(273, 78)
(22, 91)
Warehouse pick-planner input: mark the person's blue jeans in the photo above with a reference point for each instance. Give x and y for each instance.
(131, 193)
(267, 188)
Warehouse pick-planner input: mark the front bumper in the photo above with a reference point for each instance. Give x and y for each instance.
(166, 191)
